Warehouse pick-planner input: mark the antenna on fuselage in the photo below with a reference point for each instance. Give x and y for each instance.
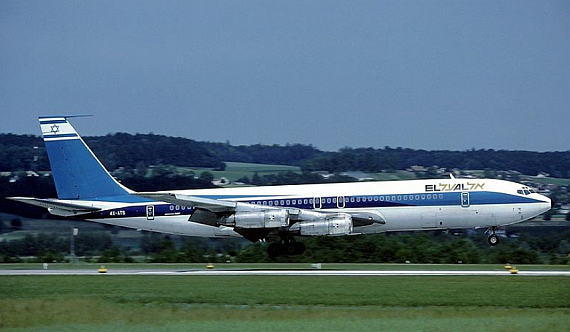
(451, 176)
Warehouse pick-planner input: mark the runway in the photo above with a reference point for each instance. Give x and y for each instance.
(309, 272)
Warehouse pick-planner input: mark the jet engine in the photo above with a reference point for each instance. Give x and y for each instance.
(340, 224)
(273, 218)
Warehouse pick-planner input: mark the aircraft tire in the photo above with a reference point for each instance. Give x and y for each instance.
(290, 248)
(274, 250)
(493, 239)
(299, 248)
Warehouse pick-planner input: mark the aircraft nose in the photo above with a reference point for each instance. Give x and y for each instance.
(547, 203)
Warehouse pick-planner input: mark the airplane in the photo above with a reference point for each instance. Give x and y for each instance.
(86, 190)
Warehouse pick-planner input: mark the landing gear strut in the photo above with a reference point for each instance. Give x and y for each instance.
(287, 247)
(493, 239)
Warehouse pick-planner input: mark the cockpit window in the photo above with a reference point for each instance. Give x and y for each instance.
(525, 191)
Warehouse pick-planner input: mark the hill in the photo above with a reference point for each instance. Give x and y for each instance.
(27, 152)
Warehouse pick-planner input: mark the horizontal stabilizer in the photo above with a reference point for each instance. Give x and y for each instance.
(213, 205)
(55, 204)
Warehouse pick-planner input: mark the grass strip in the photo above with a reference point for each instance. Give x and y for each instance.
(260, 303)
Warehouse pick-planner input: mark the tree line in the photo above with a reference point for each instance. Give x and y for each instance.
(410, 247)
(27, 152)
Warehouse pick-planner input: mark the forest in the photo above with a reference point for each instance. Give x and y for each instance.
(27, 152)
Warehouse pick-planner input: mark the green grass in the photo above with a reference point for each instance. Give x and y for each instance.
(235, 170)
(537, 292)
(175, 318)
(16, 235)
(556, 181)
(395, 176)
(181, 303)
(249, 167)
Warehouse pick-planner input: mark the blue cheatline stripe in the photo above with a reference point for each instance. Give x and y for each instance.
(60, 135)
(52, 121)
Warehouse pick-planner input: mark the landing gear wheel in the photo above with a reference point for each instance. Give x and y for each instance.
(290, 248)
(287, 247)
(299, 248)
(493, 239)
(274, 250)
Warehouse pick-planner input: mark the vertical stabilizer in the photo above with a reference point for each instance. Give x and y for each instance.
(77, 173)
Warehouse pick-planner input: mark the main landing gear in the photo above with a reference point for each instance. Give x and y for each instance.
(287, 247)
(493, 239)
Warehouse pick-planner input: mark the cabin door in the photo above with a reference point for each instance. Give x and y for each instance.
(465, 199)
(150, 212)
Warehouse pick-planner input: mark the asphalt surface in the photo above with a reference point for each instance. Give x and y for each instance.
(311, 272)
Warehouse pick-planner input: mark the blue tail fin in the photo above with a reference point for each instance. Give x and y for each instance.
(77, 173)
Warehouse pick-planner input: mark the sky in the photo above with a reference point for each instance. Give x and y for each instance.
(453, 75)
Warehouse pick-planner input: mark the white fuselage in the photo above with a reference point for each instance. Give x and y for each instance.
(404, 205)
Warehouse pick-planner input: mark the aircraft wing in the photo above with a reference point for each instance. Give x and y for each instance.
(55, 204)
(213, 205)
(360, 217)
